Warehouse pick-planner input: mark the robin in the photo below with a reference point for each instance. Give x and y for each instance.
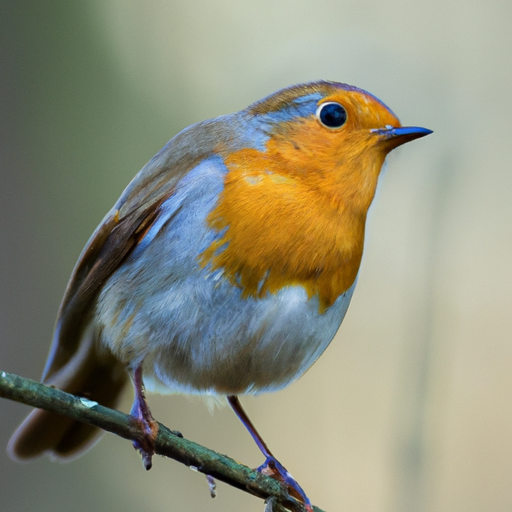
(226, 266)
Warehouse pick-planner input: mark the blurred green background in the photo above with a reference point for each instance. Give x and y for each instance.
(410, 410)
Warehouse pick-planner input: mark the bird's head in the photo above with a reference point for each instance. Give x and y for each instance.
(342, 116)
(328, 136)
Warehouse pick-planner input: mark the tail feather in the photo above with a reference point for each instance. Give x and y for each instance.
(90, 373)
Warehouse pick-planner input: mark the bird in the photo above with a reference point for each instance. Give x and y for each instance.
(226, 266)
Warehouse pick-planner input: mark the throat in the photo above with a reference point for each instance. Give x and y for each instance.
(272, 233)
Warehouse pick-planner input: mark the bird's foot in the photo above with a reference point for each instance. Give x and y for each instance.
(148, 425)
(273, 468)
(149, 430)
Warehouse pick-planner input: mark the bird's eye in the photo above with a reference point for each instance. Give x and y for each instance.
(332, 115)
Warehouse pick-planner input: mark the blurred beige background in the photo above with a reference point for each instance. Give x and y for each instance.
(410, 409)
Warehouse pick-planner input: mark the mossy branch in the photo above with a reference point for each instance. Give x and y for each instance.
(168, 443)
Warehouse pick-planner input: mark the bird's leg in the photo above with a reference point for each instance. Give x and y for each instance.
(271, 467)
(141, 413)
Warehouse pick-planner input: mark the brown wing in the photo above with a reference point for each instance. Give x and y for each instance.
(111, 243)
(113, 240)
(76, 363)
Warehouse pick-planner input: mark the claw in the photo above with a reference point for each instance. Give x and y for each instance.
(142, 415)
(212, 485)
(273, 468)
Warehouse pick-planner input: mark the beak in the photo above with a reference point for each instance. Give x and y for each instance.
(394, 137)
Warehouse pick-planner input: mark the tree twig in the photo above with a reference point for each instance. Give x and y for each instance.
(168, 443)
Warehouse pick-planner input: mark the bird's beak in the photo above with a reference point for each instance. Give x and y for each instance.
(393, 137)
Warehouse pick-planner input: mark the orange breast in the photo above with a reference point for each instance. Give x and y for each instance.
(292, 215)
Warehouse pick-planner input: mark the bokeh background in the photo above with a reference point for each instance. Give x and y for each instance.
(410, 409)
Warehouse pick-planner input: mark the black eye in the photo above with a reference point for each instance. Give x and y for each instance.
(332, 115)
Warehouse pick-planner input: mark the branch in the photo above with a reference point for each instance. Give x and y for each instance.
(168, 443)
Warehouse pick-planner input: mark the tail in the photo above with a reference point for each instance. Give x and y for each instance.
(92, 373)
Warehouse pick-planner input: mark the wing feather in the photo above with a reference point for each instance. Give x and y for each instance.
(117, 235)
(111, 243)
